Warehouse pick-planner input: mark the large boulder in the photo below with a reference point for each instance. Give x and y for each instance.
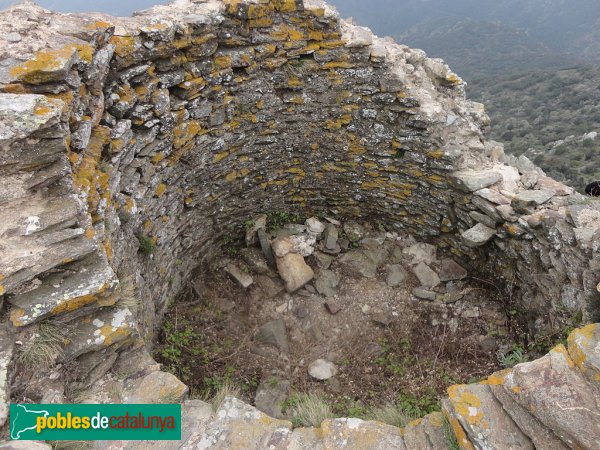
(291, 266)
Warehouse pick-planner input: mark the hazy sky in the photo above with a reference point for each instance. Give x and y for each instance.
(114, 7)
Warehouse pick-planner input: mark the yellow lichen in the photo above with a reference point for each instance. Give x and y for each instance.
(160, 189)
(17, 315)
(124, 45)
(223, 62)
(338, 65)
(220, 156)
(437, 154)
(561, 349)
(461, 435)
(497, 378)
(466, 404)
(44, 65)
(579, 340)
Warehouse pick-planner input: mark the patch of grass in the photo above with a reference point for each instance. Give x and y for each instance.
(231, 245)
(418, 406)
(350, 408)
(450, 436)
(146, 244)
(311, 410)
(227, 389)
(513, 357)
(277, 219)
(389, 360)
(44, 348)
(180, 350)
(170, 397)
(392, 415)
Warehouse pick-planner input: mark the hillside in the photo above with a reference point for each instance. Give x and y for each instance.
(480, 48)
(533, 111)
(562, 26)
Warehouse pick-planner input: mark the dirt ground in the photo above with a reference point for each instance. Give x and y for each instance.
(388, 346)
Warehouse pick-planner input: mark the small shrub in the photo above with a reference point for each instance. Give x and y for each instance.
(418, 406)
(277, 219)
(146, 244)
(512, 358)
(231, 246)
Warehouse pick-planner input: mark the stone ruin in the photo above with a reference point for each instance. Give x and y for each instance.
(170, 126)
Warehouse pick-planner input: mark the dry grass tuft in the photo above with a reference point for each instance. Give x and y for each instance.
(391, 415)
(44, 348)
(311, 410)
(227, 389)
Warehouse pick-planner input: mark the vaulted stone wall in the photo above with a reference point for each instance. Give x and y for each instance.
(176, 124)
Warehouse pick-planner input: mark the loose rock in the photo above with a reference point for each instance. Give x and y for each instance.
(258, 223)
(315, 226)
(322, 369)
(451, 271)
(354, 231)
(326, 283)
(243, 279)
(275, 334)
(330, 237)
(427, 277)
(396, 275)
(478, 235)
(424, 294)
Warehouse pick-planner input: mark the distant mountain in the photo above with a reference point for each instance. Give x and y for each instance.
(563, 26)
(533, 63)
(547, 115)
(475, 48)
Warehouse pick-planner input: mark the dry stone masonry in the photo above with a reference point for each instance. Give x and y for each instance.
(161, 131)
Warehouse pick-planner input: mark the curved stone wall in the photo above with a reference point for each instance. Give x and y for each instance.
(176, 124)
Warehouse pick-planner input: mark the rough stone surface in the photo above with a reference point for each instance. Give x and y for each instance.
(354, 231)
(25, 445)
(330, 236)
(471, 181)
(420, 253)
(131, 145)
(271, 396)
(558, 394)
(315, 226)
(6, 353)
(156, 387)
(362, 262)
(484, 419)
(424, 294)
(478, 235)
